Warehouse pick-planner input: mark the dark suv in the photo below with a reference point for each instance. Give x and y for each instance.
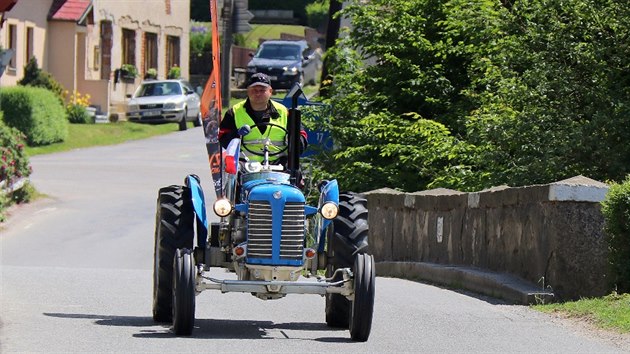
(286, 62)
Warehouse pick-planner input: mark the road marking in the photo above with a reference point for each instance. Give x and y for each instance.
(46, 210)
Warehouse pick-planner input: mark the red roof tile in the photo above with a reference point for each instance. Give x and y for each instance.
(68, 10)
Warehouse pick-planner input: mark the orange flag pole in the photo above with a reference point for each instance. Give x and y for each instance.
(211, 106)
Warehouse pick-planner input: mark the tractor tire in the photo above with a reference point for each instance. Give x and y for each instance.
(337, 306)
(183, 292)
(363, 303)
(174, 228)
(347, 237)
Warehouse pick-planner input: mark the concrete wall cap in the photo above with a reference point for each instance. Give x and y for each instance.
(496, 188)
(581, 181)
(383, 191)
(438, 191)
(577, 193)
(578, 189)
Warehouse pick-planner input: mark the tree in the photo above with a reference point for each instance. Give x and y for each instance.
(34, 76)
(514, 92)
(200, 10)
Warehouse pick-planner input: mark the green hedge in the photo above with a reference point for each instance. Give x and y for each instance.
(616, 210)
(36, 112)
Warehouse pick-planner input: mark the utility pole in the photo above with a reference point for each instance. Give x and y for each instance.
(332, 33)
(236, 16)
(226, 52)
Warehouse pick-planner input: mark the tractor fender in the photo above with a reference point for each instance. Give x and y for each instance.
(329, 192)
(198, 200)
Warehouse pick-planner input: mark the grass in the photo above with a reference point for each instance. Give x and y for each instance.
(253, 37)
(610, 312)
(88, 135)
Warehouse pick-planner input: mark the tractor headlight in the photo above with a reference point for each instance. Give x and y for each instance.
(222, 207)
(329, 210)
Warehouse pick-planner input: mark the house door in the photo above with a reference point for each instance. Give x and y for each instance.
(106, 49)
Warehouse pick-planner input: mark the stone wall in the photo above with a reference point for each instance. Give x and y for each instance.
(550, 235)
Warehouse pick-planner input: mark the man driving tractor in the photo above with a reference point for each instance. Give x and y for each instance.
(262, 114)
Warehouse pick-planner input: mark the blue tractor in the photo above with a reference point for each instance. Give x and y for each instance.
(268, 236)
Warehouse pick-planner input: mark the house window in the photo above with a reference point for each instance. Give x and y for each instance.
(172, 52)
(150, 51)
(97, 58)
(30, 38)
(12, 41)
(106, 49)
(167, 5)
(129, 46)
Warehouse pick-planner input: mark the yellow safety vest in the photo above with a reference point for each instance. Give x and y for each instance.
(255, 140)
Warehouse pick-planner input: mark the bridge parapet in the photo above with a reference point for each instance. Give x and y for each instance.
(551, 235)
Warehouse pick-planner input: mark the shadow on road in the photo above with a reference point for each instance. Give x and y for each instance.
(208, 328)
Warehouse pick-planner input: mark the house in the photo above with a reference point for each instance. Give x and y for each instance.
(85, 43)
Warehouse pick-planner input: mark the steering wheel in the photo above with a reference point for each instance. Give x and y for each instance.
(271, 126)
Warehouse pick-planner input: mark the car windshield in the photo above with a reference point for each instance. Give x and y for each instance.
(279, 51)
(159, 89)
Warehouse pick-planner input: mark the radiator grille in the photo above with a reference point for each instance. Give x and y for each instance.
(260, 239)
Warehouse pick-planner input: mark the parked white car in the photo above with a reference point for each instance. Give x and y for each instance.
(161, 101)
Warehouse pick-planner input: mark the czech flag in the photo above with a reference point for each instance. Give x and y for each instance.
(231, 156)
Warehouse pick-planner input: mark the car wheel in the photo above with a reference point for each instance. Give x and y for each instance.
(197, 121)
(182, 122)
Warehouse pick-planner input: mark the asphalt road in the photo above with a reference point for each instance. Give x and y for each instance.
(76, 276)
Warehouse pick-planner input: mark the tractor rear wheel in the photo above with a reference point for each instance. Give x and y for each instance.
(346, 238)
(174, 220)
(337, 306)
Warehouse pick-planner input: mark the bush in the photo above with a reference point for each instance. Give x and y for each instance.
(78, 114)
(129, 70)
(616, 210)
(317, 13)
(150, 74)
(76, 108)
(13, 165)
(34, 76)
(174, 72)
(200, 39)
(36, 112)
(13, 159)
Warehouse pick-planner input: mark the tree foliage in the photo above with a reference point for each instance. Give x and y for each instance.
(616, 208)
(468, 95)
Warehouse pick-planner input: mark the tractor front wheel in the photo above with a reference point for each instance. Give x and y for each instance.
(363, 303)
(183, 292)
